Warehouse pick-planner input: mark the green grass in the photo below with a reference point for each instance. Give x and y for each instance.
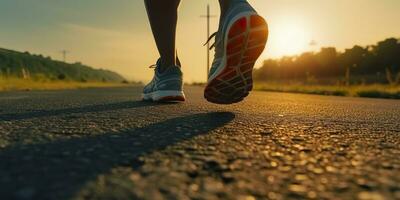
(12, 84)
(371, 91)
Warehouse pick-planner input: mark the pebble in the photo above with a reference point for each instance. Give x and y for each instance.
(387, 165)
(370, 196)
(330, 169)
(213, 186)
(272, 195)
(297, 188)
(365, 183)
(300, 177)
(355, 163)
(285, 168)
(266, 132)
(311, 194)
(228, 177)
(298, 139)
(317, 171)
(274, 164)
(194, 187)
(247, 198)
(341, 186)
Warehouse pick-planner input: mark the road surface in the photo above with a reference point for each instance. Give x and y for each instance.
(106, 144)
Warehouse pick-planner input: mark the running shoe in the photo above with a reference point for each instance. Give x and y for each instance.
(165, 86)
(240, 40)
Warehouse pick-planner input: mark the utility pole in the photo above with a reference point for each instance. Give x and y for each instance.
(208, 16)
(313, 44)
(64, 54)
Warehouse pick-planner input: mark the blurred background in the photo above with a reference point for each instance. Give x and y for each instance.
(312, 43)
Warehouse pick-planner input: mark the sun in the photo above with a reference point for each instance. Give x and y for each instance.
(288, 37)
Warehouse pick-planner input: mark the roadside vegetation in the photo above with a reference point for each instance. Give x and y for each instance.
(13, 83)
(371, 91)
(26, 71)
(369, 71)
(30, 66)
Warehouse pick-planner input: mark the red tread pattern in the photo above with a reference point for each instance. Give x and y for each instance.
(238, 27)
(246, 41)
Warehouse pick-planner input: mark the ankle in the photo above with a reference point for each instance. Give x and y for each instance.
(224, 5)
(165, 64)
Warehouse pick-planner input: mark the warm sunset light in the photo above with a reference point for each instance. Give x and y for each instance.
(200, 99)
(122, 40)
(289, 36)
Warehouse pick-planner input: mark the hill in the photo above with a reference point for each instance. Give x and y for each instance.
(27, 65)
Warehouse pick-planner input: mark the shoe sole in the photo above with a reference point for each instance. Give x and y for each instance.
(164, 96)
(245, 41)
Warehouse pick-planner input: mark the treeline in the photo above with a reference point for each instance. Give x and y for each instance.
(26, 65)
(378, 63)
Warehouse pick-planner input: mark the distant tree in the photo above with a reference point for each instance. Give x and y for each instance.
(327, 60)
(307, 65)
(352, 58)
(267, 71)
(388, 54)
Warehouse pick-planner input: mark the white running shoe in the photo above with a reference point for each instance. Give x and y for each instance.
(165, 86)
(240, 40)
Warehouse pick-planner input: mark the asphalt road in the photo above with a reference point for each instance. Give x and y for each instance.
(106, 144)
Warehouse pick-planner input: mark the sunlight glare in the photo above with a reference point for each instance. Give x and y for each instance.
(287, 37)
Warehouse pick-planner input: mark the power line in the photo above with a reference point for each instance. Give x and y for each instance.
(64, 54)
(313, 43)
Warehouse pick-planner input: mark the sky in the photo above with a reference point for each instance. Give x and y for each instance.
(115, 34)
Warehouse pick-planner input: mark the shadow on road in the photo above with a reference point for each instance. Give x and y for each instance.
(57, 170)
(78, 110)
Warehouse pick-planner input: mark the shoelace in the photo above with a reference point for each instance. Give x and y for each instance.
(178, 62)
(209, 39)
(153, 66)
